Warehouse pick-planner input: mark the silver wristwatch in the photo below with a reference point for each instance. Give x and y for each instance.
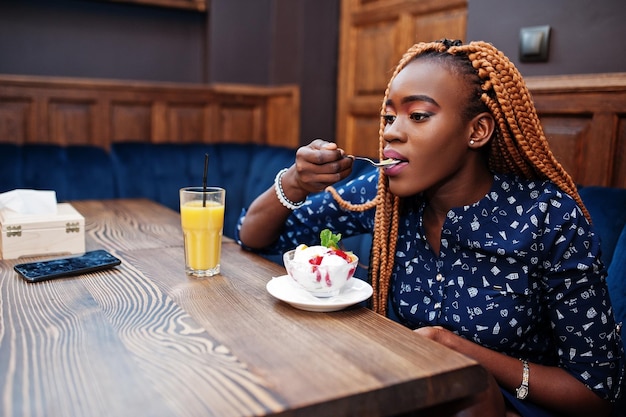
(521, 392)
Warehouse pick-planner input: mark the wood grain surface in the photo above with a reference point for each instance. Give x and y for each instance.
(101, 112)
(144, 339)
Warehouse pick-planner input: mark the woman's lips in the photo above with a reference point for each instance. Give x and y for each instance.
(395, 169)
(392, 154)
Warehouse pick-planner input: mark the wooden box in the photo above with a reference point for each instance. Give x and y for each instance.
(34, 234)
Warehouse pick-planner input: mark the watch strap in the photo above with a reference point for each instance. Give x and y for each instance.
(521, 392)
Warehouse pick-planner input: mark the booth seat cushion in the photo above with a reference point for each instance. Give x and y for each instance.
(617, 280)
(245, 172)
(158, 172)
(10, 166)
(74, 172)
(607, 207)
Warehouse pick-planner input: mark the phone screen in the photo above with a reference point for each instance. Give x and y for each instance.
(55, 268)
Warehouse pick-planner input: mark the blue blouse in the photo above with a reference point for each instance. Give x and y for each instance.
(518, 272)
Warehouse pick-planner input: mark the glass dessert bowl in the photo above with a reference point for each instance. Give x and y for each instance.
(320, 270)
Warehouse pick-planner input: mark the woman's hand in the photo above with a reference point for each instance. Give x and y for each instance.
(439, 335)
(550, 386)
(317, 166)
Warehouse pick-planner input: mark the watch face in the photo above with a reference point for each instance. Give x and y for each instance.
(521, 392)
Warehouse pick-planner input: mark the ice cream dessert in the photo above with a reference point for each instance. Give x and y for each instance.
(321, 269)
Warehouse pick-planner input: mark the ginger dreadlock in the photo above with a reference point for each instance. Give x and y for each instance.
(518, 146)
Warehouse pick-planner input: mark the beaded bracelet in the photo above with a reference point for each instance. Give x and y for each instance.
(280, 193)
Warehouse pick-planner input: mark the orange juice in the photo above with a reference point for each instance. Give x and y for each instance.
(202, 229)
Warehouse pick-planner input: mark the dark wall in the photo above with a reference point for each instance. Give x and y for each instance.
(318, 57)
(281, 42)
(587, 36)
(83, 38)
(238, 41)
(273, 42)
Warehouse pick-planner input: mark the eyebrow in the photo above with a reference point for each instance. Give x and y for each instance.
(417, 97)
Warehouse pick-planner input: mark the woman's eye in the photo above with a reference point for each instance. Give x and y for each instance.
(418, 117)
(388, 119)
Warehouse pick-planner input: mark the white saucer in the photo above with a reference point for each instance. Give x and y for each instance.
(286, 289)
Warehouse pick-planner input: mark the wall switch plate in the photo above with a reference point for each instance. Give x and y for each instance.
(534, 44)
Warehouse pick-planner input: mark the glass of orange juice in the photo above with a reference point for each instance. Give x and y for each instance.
(202, 220)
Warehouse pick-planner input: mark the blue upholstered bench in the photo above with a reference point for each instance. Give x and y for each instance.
(157, 172)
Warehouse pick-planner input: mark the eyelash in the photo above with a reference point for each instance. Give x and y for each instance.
(416, 117)
(388, 119)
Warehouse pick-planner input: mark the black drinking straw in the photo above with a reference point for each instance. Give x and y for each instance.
(206, 172)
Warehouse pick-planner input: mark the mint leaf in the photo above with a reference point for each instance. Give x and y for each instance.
(330, 239)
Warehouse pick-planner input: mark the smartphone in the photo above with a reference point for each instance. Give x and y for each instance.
(54, 268)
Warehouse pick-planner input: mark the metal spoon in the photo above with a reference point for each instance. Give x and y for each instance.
(384, 163)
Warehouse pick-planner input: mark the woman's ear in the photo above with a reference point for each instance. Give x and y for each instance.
(481, 129)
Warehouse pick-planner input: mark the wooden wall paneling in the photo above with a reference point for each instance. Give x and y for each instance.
(239, 124)
(103, 121)
(19, 116)
(567, 137)
(159, 122)
(368, 51)
(277, 127)
(132, 121)
(373, 37)
(65, 116)
(365, 126)
(241, 117)
(194, 5)
(582, 116)
(100, 112)
(598, 161)
(16, 121)
(71, 121)
(186, 122)
(54, 115)
(213, 125)
(259, 115)
(619, 165)
(375, 55)
(450, 23)
(282, 115)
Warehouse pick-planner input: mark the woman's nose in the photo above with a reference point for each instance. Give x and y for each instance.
(393, 131)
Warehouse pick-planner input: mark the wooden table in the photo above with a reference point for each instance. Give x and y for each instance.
(146, 340)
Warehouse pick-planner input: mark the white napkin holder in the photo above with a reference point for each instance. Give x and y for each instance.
(42, 234)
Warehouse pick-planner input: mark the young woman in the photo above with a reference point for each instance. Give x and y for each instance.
(481, 241)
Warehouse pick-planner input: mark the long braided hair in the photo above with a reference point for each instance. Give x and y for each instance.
(518, 145)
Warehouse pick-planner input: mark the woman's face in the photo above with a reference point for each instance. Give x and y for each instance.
(425, 128)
